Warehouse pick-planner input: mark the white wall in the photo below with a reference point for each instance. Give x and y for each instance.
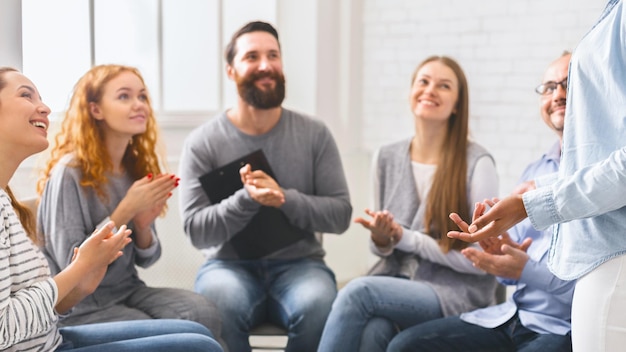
(504, 48)
(349, 62)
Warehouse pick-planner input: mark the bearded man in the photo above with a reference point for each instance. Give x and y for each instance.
(263, 260)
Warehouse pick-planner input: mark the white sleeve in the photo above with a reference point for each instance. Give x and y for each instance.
(484, 184)
(428, 248)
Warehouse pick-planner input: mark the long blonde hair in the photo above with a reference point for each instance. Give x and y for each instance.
(448, 192)
(82, 135)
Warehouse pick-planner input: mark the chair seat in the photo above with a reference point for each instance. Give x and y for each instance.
(266, 329)
(268, 336)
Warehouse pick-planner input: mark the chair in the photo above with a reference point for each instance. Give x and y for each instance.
(268, 337)
(501, 294)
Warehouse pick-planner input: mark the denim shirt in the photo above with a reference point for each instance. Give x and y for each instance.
(588, 198)
(542, 301)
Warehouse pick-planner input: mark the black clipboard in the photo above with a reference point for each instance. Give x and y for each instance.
(269, 230)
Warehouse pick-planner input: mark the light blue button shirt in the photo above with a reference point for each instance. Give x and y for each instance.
(591, 186)
(543, 302)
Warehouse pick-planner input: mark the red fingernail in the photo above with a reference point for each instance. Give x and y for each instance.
(150, 175)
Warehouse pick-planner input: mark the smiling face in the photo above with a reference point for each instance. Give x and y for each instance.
(124, 108)
(434, 92)
(257, 70)
(553, 104)
(23, 116)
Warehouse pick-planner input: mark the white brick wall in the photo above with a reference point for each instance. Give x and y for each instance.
(504, 47)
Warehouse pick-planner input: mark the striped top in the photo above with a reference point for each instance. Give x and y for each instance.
(27, 292)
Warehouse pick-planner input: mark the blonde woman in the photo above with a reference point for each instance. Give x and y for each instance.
(417, 181)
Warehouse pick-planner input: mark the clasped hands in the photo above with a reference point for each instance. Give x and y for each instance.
(145, 200)
(261, 187)
(500, 256)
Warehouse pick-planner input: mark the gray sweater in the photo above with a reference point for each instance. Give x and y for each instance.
(305, 160)
(457, 291)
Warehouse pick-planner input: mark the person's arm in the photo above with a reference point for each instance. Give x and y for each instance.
(514, 266)
(590, 191)
(143, 202)
(329, 209)
(484, 185)
(381, 244)
(64, 217)
(428, 248)
(537, 275)
(89, 265)
(144, 257)
(61, 216)
(205, 223)
(18, 307)
(598, 187)
(29, 310)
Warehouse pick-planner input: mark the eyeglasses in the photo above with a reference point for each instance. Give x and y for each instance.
(550, 87)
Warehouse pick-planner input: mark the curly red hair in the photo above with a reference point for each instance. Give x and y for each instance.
(82, 135)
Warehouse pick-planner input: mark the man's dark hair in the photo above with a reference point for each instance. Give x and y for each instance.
(255, 26)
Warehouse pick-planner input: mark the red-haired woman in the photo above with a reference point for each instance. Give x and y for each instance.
(104, 166)
(30, 298)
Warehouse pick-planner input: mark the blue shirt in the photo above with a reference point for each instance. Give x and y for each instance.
(543, 302)
(588, 198)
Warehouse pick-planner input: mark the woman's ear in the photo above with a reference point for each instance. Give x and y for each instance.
(95, 111)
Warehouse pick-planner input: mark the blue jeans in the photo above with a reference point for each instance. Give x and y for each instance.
(453, 334)
(154, 303)
(156, 335)
(370, 310)
(295, 294)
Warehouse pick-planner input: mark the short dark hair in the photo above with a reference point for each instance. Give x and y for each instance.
(255, 26)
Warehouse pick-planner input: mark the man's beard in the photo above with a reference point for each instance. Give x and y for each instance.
(258, 98)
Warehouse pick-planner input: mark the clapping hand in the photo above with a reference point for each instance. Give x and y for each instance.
(99, 250)
(261, 187)
(383, 229)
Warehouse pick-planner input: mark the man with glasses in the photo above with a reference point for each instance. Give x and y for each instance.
(537, 316)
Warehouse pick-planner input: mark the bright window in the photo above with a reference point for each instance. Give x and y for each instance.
(177, 46)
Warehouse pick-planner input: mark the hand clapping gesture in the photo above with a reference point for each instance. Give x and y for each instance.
(143, 202)
(261, 187)
(148, 197)
(89, 264)
(384, 230)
